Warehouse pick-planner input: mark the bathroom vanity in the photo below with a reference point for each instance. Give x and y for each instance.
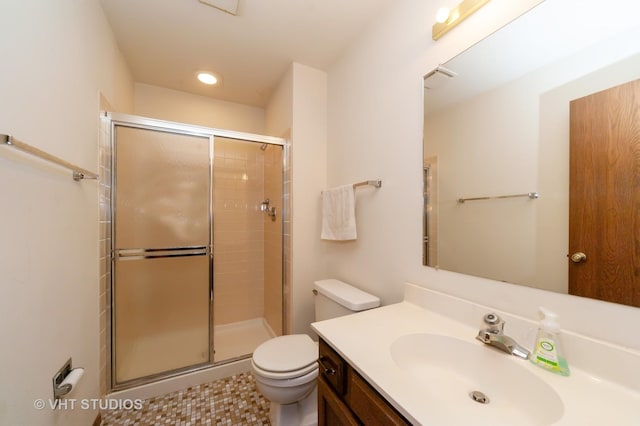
(345, 398)
(418, 362)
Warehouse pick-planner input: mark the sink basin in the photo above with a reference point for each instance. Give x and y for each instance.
(447, 371)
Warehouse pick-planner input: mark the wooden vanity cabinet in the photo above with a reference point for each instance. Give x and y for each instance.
(346, 399)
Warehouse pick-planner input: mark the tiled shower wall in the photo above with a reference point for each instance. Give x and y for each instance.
(104, 242)
(238, 231)
(273, 239)
(287, 218)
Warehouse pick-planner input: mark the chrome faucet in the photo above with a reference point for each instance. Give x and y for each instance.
(493, 334)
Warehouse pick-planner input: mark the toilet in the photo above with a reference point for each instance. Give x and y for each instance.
(286, 367)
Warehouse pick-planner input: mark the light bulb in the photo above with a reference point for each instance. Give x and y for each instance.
(442, 15)
(207, 78)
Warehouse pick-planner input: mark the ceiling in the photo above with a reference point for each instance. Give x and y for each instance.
(166, 41)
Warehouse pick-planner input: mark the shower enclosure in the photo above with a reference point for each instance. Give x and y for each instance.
(196, 258)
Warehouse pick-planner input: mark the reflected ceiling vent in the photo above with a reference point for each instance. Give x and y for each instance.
(438, 77)
(227, 6)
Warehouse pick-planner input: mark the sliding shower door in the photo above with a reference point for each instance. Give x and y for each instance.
(197, 259)
(162, 272)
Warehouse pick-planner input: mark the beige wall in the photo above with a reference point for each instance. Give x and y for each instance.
(173, 105)
(57, 59)
(375, 131)
(278, 121)
(297, 110)
(309, 177)
(375, 105)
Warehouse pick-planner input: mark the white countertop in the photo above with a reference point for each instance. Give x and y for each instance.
(364, 340)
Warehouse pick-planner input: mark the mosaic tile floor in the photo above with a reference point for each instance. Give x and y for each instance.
(231, 401)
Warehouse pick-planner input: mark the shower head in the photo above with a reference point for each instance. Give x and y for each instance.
(264, 146)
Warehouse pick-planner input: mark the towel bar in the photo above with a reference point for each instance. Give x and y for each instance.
(376, 183)
(78, 172)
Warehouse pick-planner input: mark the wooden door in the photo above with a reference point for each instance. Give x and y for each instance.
(604, 196)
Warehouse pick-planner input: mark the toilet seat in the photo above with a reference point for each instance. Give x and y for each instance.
(284, 375)
(286, 356)
(295, 381)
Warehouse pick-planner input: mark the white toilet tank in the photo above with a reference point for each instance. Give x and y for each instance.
(334, 298)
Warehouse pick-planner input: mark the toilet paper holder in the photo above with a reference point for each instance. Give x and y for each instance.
(59, 389)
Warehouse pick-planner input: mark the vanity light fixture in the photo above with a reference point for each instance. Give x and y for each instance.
(447, 19)
(442, 15)
(208, 77)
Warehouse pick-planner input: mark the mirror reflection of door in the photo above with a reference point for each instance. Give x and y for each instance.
(604, 200)
(426, 254)
(430, 212)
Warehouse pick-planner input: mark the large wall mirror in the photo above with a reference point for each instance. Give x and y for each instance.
(525, 135)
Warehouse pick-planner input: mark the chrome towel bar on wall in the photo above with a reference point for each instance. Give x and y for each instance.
(78, 172)
(375, 183)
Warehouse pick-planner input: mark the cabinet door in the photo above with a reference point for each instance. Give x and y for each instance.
(368, 405)
(331, 410)
(332, 368)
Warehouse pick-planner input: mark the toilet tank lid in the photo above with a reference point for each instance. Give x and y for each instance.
(347, 295)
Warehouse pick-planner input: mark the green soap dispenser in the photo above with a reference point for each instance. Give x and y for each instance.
(548, 353)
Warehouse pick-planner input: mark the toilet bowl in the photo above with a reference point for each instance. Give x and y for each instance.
(286, 379)
(286, 369)
(286, 391)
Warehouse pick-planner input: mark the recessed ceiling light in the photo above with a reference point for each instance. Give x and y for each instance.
(207, 78)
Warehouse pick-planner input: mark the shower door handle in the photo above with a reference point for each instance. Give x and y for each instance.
(211, 280)
(147, 253)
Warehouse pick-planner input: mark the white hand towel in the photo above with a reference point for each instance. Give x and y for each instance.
(339, 214)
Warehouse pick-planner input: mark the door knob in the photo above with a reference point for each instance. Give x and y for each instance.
(578, 257)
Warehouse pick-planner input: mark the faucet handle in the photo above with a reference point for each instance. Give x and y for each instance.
(492, 319)
(494, 323)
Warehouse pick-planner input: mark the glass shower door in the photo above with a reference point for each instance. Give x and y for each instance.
(162, 275)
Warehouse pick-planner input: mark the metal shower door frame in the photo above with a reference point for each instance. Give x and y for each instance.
(127, 120)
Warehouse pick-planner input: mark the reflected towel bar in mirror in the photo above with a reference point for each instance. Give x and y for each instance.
(376, 183)
(531, 195)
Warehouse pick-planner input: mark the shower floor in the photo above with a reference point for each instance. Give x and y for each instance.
(150, 355)
(157, 353)
(239, 338)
